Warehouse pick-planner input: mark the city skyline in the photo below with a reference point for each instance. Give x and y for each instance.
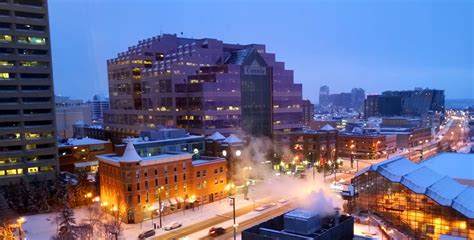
(377, 49)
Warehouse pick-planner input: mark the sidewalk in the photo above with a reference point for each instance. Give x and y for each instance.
(131, 231)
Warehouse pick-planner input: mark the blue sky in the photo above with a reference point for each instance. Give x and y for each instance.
(373, 44)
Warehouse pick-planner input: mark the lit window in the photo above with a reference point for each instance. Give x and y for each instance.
(30, 146)
(32, 40)
(4, 75)
(32, 169)
(7, 64)
(6, 38)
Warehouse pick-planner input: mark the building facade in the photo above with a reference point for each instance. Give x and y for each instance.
(361, 145)
(202, 85)
(99, 105)
(69, 112)
(324, 96)
(415, 199)
(419, 101)
(308, 112)
(75, 154)
(28, 147)
(315, 147)
(143, 188)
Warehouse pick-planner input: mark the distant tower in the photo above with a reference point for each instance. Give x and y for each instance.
(99, 104)
(324, 96)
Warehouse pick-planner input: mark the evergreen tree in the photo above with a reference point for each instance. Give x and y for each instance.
(27, 197)
(42, 198)
(67, 220)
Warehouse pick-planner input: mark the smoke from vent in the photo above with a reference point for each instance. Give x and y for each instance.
(312, 194)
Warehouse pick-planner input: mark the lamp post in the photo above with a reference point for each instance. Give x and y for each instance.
(159, 205)
(352, 155)
(20, 221)
(233, 216)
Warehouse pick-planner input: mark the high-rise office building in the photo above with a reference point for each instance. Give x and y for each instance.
(419, 101)
(324, 96)
(308, 112)
(357, 98)
(202, 85)
(99, 105)
(28, 147)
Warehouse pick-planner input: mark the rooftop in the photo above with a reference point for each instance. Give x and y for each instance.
(81, 142)
(455, 165)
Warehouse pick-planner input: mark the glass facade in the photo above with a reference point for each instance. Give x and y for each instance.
(256, 96)
(413, 213)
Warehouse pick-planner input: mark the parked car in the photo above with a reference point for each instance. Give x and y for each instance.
(216, 231)
(146, 234)
(172, 225)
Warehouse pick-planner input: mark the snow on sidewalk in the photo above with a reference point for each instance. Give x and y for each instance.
(131, 231)
(43, 226)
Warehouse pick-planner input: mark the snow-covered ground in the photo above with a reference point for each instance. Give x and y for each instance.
(43, 226)
(364, 230)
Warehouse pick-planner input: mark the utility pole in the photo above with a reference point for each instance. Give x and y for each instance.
(233, 216)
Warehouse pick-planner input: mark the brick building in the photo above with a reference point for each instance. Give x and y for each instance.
(82, 153)
(361, 145)
(311, 146)
(135, 186)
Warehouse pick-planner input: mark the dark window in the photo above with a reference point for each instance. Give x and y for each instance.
(8, 88)
(129, 187)
(6, 50)
(138, 186)
(175, 178)
(35, 87)
(29, 15)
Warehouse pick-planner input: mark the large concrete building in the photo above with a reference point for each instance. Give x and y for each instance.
(28, 147)
(202, 85)
(416, 102)
(70, 112)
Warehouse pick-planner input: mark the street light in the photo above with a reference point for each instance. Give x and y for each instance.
(159, 203)
(233, 216)
(238, 153)
(20, 221)
(224, 153)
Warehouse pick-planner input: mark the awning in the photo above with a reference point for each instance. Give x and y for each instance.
(86, 164)
(173, 201)
(180, 199)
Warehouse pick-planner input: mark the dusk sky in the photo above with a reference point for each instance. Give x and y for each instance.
(376, 45)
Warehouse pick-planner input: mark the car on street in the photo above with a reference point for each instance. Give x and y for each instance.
(172, 225)
(146, 234)
(216, 231)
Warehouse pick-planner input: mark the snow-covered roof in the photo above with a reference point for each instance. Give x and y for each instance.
(445, 190)
(464, 202)
(394, 171)
(434, 183)
(455, 165)
(421, 179)
(327, 127)
(217, 136)
(82, 141)
(130, 154)
(232, 139)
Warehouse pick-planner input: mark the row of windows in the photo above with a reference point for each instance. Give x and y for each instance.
(21, 39)
(4, 63)
(19, 171)
(11, 76)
